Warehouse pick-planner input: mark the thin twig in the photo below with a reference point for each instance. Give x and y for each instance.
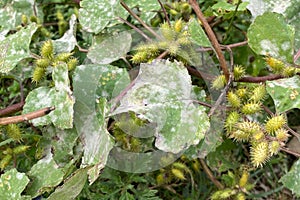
(12, 109)
(26, 117)
(290, 151)
(165, 12)
(135, 28)
(238, 44)
(121, 95)
(260, 79)
(162, 55)
(139, 20)
(210, 174)
(212, 37)
(82, 49)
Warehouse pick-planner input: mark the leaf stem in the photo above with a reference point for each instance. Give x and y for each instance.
(139, 20)
(211, 36)
(165, 12)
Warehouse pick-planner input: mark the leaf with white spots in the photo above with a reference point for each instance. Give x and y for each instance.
(92, 129)
(15, 48)
(111, 49)
(285, 93)
(162, 93)
(95, 15)
(111, 81)
(258, 7)
(60, 97)
(291, 180)
(45, 175)
(12, 184)
(68, 41)
(270, 34)
(289, 8)
(198, 36)
(148, 8)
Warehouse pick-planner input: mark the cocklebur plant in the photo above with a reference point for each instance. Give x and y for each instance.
(48, 58)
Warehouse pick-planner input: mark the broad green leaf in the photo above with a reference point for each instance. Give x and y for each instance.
(290, 9)
(45, 175)
(12, 184)
(198, 36)
(162, 94)
(71, 187)
(96, 139)
(111, 81)
(285, 93)
(111, 49)
(94, 15)
(291, 180)
(68, 41)
(60, 97)
(270, 34)
(15, 48)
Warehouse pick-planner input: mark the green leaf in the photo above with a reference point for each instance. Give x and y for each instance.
(289, 9)
(111, 81)
(95, 15)
(60, 97)
(12, 184)
(285, 93)
(63, 144)
(71, 187)
(10, 13)
(270, 34)
(68, 41)
(15, 48)
(198, 36)
(96, 139)
(291, 180)
(45, 175)
(148, 8)
(111, 49)
(162, 94)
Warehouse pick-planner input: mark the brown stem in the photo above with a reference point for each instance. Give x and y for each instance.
(211, 36)
(165, 12)
(12, 109)
(82, 49)
(290, 151)
(26, 117)
(238, 44)
(139, 20)
(210, 174)
(162, 55)
(135, 28)
(251, 79)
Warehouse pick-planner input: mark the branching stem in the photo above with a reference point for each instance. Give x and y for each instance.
(211, 36)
